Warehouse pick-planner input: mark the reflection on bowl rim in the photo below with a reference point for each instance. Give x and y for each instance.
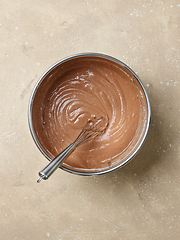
(101, 56)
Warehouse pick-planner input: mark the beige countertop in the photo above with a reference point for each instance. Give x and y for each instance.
(139, 201)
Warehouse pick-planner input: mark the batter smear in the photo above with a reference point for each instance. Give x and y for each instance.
(79, 90)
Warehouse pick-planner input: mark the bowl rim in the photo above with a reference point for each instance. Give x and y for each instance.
(87, 55)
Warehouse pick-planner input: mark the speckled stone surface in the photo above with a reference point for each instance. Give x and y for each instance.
(139, 201)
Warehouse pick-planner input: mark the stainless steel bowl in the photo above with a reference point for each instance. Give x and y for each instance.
(43, 79)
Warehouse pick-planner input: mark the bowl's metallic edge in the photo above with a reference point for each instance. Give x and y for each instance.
(96, 55)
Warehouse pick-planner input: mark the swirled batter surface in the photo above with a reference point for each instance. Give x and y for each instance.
(77, 91)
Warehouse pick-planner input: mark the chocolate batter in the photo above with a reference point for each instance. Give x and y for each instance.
(76, 91)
